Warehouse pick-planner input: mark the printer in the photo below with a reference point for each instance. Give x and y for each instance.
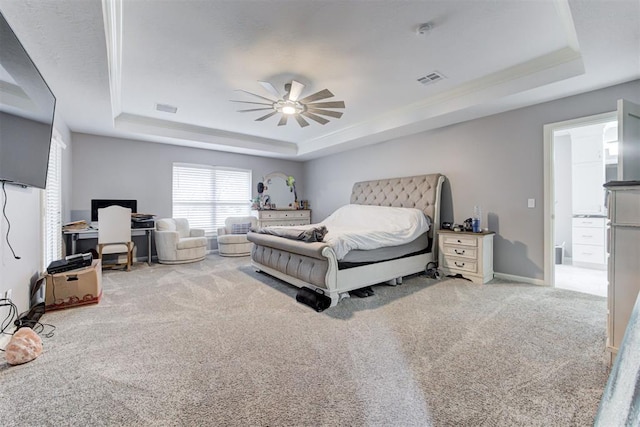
(142, 221)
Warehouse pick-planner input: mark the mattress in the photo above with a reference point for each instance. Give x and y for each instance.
(358, 257)
(365, 228)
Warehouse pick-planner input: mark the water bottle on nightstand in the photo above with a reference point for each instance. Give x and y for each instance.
(477, 214)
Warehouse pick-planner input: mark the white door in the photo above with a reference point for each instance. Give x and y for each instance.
(628, 141)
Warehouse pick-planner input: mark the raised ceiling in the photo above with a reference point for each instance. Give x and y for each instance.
(110, 62)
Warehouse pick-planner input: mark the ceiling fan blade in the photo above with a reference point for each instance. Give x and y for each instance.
(334, 104)
(336, 114)
(259, 119)
(302, 122)
(257, 96)
(296, 90)
(249, 102)
(318, 119)
(283, 120)
(269, 88)
(254, 109)
(325, 93)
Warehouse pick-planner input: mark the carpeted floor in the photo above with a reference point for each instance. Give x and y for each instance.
(216, 343)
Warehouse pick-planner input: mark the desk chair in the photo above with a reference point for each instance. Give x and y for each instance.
(114, 233)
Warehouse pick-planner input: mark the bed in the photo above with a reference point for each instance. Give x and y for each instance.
(316, 266)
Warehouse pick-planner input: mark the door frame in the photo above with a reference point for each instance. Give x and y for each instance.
(549, 179)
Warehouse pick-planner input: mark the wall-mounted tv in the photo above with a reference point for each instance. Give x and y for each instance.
(105, 203)
(27, 108)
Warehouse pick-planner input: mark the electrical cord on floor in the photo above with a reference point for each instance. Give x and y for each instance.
(432, 270)
(4, 212)
(8, 321)
(37, 326)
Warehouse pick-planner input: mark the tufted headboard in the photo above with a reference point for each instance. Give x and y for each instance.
(421, 192)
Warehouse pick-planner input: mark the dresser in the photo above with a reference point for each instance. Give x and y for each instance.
(588, 250)
(623, 237)
(468, 254)
(268, 218)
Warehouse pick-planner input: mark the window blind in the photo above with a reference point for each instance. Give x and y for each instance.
(207, 195)
(52, 202)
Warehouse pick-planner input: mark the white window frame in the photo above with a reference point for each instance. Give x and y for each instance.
(205, 207)
(51, 203)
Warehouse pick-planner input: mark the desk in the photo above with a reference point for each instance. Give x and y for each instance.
(92, 233)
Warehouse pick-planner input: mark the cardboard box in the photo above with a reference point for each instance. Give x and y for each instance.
(75, 287)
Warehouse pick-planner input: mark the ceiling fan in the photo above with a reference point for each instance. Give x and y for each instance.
(290, 105)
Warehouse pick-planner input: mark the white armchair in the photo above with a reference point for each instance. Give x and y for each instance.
(232, 238)
(176, 243)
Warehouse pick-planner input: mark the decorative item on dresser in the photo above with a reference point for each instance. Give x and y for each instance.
(467, 254)
(288, 217)
(624, 255)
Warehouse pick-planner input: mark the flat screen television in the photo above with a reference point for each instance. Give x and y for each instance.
(104, 203)
(27, 108)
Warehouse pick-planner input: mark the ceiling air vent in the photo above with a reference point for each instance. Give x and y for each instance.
(166, 108)
(431, 78)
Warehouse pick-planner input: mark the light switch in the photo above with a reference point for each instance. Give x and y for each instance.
(531, 203)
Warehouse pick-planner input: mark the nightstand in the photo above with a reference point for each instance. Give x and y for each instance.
(468, 254)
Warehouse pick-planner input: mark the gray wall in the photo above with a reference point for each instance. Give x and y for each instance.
(496, 161)
(112, 168)
(24, 210)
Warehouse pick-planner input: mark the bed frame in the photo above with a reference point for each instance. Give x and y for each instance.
(315, 265)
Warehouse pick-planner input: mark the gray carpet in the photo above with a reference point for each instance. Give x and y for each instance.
(215, 343)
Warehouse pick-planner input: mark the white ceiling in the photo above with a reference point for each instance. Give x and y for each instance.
(109, 62)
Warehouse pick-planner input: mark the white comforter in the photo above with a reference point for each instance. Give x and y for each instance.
(370, 227)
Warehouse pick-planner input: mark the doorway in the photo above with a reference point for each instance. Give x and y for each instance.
(582, 157)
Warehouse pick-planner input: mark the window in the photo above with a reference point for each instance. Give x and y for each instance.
(52, 203)
(207, 195)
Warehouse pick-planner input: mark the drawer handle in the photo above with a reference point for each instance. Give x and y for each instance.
(459, 253)
(587, 253)
(458, 265)
(459, 241)
(587, 235)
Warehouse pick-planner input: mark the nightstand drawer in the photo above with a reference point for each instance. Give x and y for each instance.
(460, 264)
(461, 252)
(459, 240)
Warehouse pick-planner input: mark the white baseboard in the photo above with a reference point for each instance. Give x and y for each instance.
(522, 279)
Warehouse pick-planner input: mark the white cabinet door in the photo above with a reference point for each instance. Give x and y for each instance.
(588, 193)
(586, 145)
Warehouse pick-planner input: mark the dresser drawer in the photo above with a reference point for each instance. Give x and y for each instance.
(284, 222)
(588, 253)
(459, 240)
(588, 236)
(461, 252)
(460, 264)
(627, 209)
(265, 215)
(589, 222)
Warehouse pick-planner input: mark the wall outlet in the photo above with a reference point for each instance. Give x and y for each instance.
(531, 203)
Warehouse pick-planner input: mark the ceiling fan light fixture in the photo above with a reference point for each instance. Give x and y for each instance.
(289, 108)
(289, 104)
